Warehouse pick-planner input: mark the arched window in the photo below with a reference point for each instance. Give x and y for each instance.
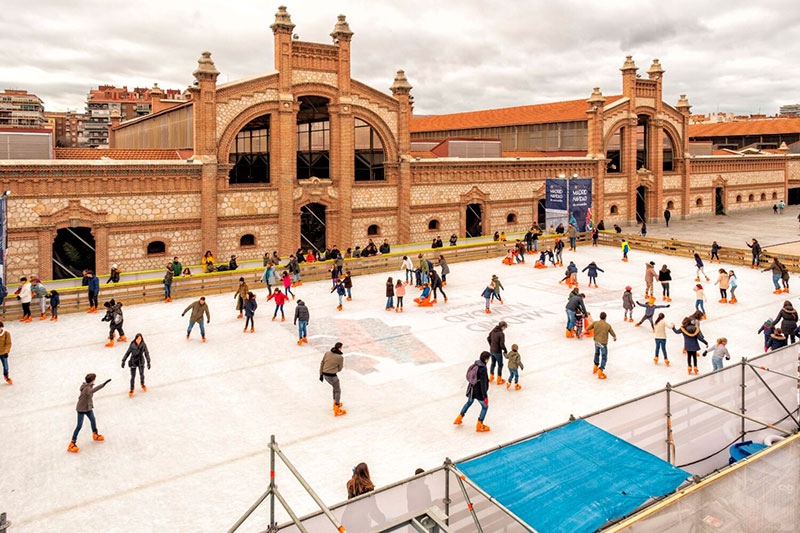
(433, 224)
(313, 138)
(698, 202)
(373, 229)
(763, 196)
(774, 196)
(738, 198)
(667, 152)
(156, 247)
(511, 218)
(750, 198)
(670, 205)
(250, 153)
(614, 210)
(614, 153)
(247, 240)
(368, 153)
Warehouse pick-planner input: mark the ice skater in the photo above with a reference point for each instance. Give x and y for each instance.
(338, 286)
(55, 301)
(477, 389)
(389, 295)
(250, 306)
(437, 286)
(167, 281)
(698, 263)
(488, 295)
(115, 321)
(723, 280)
(627, 304)
(198, 309)
(139, 354)
(718, 352)
(332, 363)
(399, 292)
(664, 278)
(593, 270)
(301, 317)
(498, 286)
(692, 337)
(715, 248)
(514, 366)
(558, 249)
(602, 330)
(767, 329)
(347, 281)
(649, 310)
(287, 284)
(650, 276)
(280, 299)
(660, 330)
(241, 296)
(787, 319)
(5, 349)
(755, 249)
(497, 348)
(85, 408)
(625, 248)
(777, 272)
(733, 283)
(407, 266)
(700, 299)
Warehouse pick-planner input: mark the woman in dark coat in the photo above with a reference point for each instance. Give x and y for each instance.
(788, 315)
(478, 391)
(138, 355)
(442, 262)
(692, 337)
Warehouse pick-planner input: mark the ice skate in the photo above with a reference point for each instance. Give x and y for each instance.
(8, 380)
(638, 325)
(708, 279)
(130, 393)
(397, 310)
(283, 319)
(488, 311)
(144, 387)
(655, 360)
(349, 299)
(491, 378)
(601, 374)
(72, 448)
(187, 336)
(723, 300)
(508, 385)
(337, 410)
(569, 334)
(244, 330)
(273, 319)
(252, 329)
(240, 315)
(98, 437)
(433, 301)
(204, 339)
(300, 342)
(690, 371)
(500, 380)
(110, 343)
(445, 299)
(43, 317)
(596, 368)
(481, 427)
(785, 289)
(122, 338)
(458, 419)
(777, 291)
(517, 386)
(305, 340)
(696, 371)
(697, 278)
(53, 319)
(338, 307)
(733, 300)
(666, 361)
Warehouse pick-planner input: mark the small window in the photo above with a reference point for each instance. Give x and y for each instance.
(433, 224)
(698, 202)
(670, 205)
(738, 198)
(247, 240)
(511, 218)
(750, 198)
(373, 229)
(156, 247)
(614, 210)
(774, 196)
(763, 196)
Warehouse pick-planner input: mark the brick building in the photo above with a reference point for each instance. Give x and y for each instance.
(306, 156)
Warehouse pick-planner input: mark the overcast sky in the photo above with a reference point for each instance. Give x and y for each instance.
(734, 56)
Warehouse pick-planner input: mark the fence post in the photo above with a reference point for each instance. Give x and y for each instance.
(742, 365)
(4, 524)
(272, 481)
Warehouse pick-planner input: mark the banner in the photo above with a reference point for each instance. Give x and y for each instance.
(580, 202)
(3, 245)
(555, 203)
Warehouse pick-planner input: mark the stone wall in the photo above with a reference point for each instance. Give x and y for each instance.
(129, 248)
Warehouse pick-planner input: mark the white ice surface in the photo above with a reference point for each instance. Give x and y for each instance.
(191, 453)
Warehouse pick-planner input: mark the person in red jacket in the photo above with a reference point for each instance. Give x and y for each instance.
(280, 299)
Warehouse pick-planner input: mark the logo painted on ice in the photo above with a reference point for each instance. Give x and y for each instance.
(478, 320)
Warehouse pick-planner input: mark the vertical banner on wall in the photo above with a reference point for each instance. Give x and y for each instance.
(3, 246)
(555, 202)
(580, 202)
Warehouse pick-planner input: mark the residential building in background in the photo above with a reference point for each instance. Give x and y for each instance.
(792, 109)
(20, 109)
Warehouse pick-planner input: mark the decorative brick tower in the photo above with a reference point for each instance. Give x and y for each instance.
(595, 149)
(342, 127)
(685, 108)
(204, 94)
(401, 90)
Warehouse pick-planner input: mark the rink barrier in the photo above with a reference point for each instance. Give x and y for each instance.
(691, 425)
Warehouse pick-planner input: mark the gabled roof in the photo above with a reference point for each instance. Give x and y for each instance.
(122, 155)
(569, 111)
(770, 126)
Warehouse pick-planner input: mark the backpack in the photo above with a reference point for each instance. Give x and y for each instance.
(472, 374)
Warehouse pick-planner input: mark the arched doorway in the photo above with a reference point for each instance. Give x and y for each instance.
(73, 252)
(641, 204)
(474, 220)
(719, 203)
(541, 214)
(312, 227)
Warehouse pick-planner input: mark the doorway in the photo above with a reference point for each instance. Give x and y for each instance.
(474, 220)
(719, 206)
(794, 196)
(541, 215)
(73, 252)
(641, 204)
(312, 227)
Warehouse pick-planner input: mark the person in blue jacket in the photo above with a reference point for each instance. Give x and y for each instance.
(93, 288)
(593, 270)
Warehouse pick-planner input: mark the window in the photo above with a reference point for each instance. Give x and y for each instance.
(670, 205)
(666, 149)
(642, 141)
(369, 154)
(250, 153)
(614, 153)
(511, 218)
(698, 202)
(247, 240)
(156, 247)
(373, 230)
(433, 224)
(750, 198)
(614, 210)
(313, 138)
(774, 196)
(738, 198)
(763, 196)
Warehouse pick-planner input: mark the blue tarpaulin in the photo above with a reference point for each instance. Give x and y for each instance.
(574, 478)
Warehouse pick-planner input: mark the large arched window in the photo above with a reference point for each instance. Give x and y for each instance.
(313, 138)
(642, 142)
(369, 153)
(614, 153)
(668, 152)
(250, 153)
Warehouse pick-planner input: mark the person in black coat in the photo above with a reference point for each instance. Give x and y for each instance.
(138, 355)
(478, 391)
(788, 316)
(436, 285)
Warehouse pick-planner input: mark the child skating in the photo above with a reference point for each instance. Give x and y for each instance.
(627, 304)
(723, 281)
(664, 278)
(85, 408)
(399, 292)
(698, 263)
(649, 310)
(715, 248)
(700, 299)
(389, 295)
(498, 286)
(625, 249)
(115, 320)
(250, 306)
(514, 366)
(767, 329)
(733, 283)
(338, 287)
(488, 294)
(55, 301)
(280, 300)
(287, 284)
(718, 352)
(593, 270)
(692, 337)
(347, 281)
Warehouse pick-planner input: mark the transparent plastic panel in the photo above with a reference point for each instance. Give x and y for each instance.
(761, 403)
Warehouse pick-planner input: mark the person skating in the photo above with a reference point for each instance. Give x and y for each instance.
(625, 248)
(718, 352)
(766, 328)
(399, 292)
(115, 320)
(514, 366)
(593, 270)
(723, 281)
(572, 235)
(24, 295)
(692, 337)
(660, 330)
(280, 300)
(442, 263)
(287, 284)
(294, 270)
(389, 295)
(40, 291)
(198, 308)
(436, 285)
(241, 296)
(664, 278)
(649, 310)
(698, 263)
(85, 408)
(332, 363)
(301, 317)
(784, 277)
(700, 299)
(570, 275)
(488, 295)
(627, 304)
(407, 266)
(250, 306)
(55, 301)
(423, 270)
(776, 339)
(777, 271)
(498, 286)
(139, 354)
(347, 281)
(558, 249)
(715, 248)
(575, 302)
(168, 275)
(595, 236)
(602, 330)
(5, 349)
(755, 249)
(787, 320)
(477, 390)
(733, 283)
(497, 348)
(650, 276)
(338, 286)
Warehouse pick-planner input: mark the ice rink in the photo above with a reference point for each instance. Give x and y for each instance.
(190, 454)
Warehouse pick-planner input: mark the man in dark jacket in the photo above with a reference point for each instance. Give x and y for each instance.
(301, 315)
(478, 391)
(497, 347)
(385, 248)
(93, 287)
(198, 308)
(575, 302)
